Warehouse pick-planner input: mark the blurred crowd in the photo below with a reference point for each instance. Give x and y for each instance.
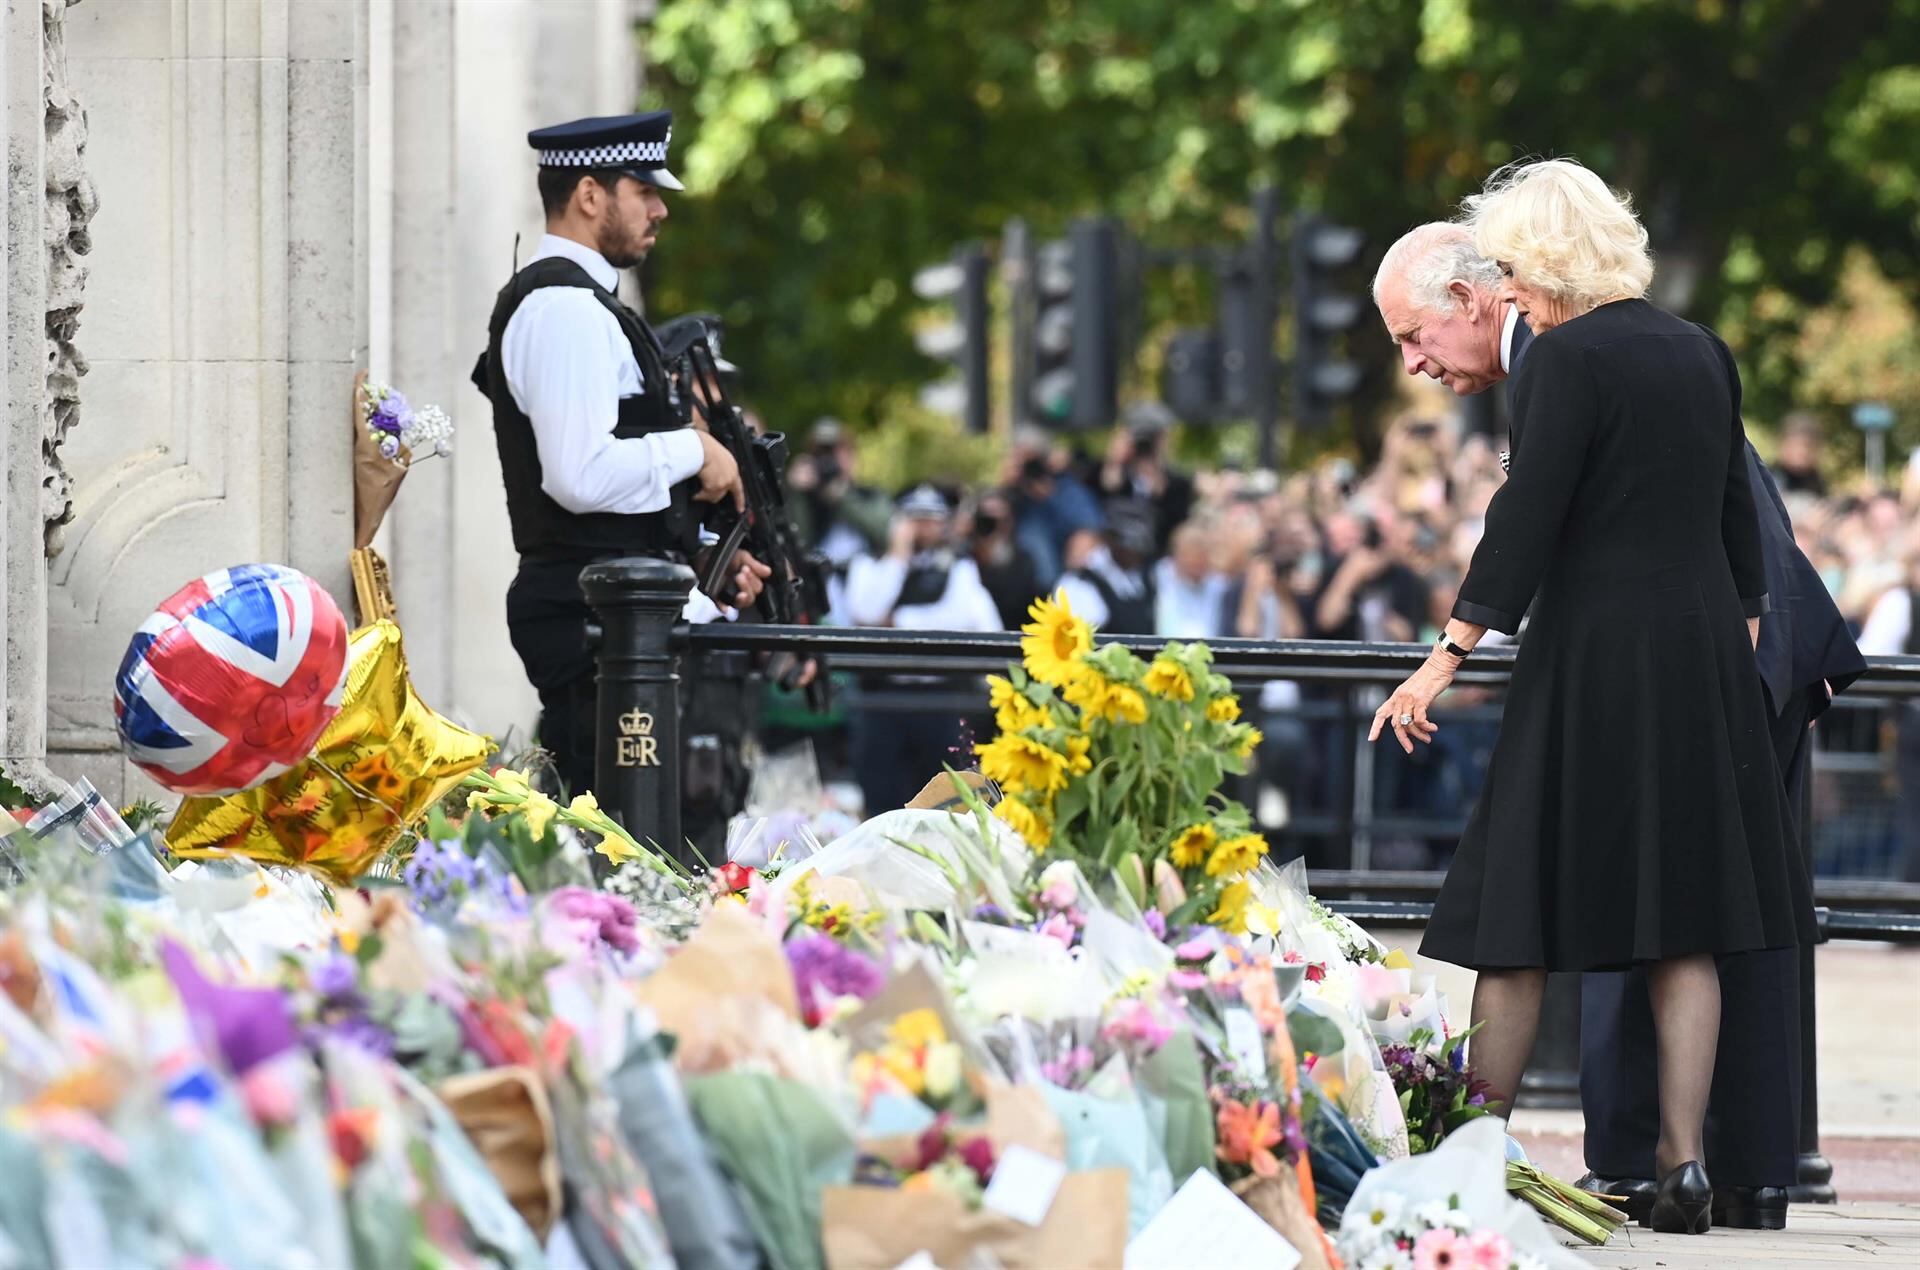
(1332, 552)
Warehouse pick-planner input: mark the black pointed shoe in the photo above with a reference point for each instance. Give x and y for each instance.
(1684, 1203)
(1750, 1207)
(1631, 1195)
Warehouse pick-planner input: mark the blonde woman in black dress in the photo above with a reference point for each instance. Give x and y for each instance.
(1631, 813)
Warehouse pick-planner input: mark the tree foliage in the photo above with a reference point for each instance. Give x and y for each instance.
(831, 147)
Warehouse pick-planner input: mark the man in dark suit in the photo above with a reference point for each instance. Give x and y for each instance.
(1440, 303)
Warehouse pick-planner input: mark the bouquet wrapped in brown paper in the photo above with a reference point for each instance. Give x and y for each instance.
(877, 1228)
(505, 1114)
(389, 436)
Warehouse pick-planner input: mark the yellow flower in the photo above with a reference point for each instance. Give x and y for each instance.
(1126, 705)
(615, 849)
(1224, 709)
(512, 782)
(943, 1070)
(540, 813)
(1249, 743)
(1232, 911)
(1262, 919)
(918, 1028)
(1011, 709)
(1054, 641)
(1192, 845)
(1022, 764)
(1088, 689)
(1236, 855)
(585, 806)
(479, 800)
(1169, 679)
(1025, 821)
(1078, 761)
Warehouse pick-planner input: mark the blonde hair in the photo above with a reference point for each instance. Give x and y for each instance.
(1561, 229)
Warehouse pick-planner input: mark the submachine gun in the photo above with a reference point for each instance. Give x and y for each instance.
(796, 592)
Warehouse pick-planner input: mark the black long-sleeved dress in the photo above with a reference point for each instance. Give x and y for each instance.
(1631, 810)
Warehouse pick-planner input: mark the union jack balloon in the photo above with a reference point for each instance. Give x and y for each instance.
(232, 679)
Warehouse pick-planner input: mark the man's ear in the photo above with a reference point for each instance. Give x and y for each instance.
(1467, 299)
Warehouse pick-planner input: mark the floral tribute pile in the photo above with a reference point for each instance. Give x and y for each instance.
(1010, 1035)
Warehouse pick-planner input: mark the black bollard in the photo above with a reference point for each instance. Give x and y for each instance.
(637, 725)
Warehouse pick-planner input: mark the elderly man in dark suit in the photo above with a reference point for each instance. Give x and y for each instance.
(1440, 302)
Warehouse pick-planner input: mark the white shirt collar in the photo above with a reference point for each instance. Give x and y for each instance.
(597, 266)
(1506, 339)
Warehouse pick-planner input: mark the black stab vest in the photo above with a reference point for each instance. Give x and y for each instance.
(1126, 615)
(543, 530)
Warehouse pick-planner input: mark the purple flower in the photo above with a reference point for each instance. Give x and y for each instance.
(598, 916)
(825, 969)
(1156, 923)
(246, 1026)
(989, 913)
(334, 977)
(389, 447)
(360, 1032)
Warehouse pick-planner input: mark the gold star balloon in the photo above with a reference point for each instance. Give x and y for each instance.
(375, 770)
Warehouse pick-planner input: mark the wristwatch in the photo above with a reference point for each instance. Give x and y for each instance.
(1452, 649)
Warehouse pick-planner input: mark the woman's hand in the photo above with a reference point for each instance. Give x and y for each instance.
(1406, 710)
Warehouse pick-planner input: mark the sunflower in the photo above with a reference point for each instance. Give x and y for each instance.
(1012, 711)
(1126, 705)
(1236, 855)
(1169, 679)
(1231, 914)
(1021, 763)
(1088, 690)
(1249, 743)
(1192, 846)
(1224, 709)
(1053, 643)
(1078, 763)
(1025, 821)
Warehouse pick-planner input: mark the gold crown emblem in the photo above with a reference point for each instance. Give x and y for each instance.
(636, 723)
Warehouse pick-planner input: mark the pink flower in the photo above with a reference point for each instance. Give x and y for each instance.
(1441, 1249)
(269, 1098)
(1186, 980)
(1489, 1250)
(1059, 928)
(1199, 948)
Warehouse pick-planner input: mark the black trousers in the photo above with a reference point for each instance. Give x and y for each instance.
(896, 752)
(547, 617)
(1753, 1118)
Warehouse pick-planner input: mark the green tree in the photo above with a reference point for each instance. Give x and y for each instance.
(834, 146)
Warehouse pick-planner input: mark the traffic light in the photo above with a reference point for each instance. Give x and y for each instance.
(1322, 314)
(1076, 327)
(961, 340)
(1190, 376)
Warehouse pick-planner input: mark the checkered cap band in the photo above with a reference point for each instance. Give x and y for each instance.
(652, 153)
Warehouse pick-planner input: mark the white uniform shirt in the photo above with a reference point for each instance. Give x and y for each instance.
(873, 587)
(1085, 599)
(568, 364)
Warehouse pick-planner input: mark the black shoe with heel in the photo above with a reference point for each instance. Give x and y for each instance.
(1684, 1204)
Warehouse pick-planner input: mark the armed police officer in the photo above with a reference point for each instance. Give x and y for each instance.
(595, 443)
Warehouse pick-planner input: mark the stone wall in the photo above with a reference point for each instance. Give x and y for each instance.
(287, 190)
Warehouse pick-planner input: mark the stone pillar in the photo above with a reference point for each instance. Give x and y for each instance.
(227, 313)
(49, 204)
(517, 64)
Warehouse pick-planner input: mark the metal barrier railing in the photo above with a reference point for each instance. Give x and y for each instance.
(642, 650)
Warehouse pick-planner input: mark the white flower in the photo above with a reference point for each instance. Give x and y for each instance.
(1434, 1212)
(1388, 1258)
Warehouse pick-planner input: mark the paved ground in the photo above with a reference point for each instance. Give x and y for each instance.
(1869, 1036)
(1818, 1238)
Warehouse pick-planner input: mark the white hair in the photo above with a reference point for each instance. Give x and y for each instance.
(1561, 229)
(1430, 258)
